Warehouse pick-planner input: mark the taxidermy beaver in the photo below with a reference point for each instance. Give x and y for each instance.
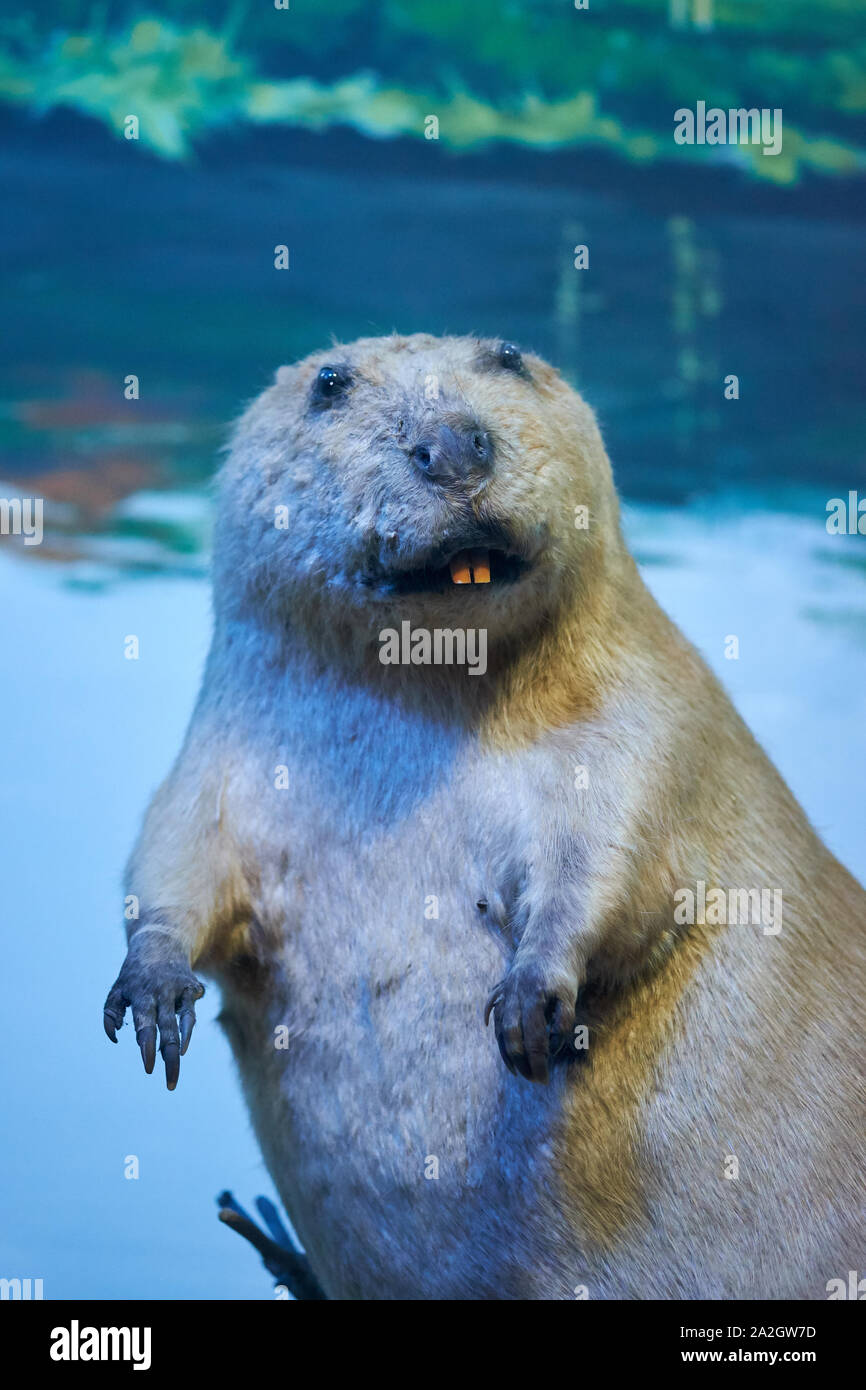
(451, 760)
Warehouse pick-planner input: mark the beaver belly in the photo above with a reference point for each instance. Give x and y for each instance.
(411, 1163)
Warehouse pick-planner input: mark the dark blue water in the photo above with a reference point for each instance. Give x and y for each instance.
(119, 262)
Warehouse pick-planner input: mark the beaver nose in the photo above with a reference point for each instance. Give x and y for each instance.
(454, 452)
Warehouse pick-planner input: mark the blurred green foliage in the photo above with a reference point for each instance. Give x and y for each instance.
(538, 72)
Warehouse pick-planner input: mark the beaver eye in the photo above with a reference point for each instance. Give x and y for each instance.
(330, 383)
(511, 357)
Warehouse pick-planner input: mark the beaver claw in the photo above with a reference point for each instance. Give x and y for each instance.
(156, 982)
(281, 1256)
(533, 1017)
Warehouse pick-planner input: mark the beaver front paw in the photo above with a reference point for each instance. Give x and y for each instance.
(533, 1014)
(156, 982)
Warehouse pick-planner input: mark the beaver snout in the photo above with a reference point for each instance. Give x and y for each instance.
(458, 451)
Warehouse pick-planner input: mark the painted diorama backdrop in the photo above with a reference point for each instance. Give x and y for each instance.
(146, 248)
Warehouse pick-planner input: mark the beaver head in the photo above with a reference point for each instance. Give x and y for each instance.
(454, 481)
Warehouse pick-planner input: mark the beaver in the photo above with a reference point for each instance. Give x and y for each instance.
(375, 849)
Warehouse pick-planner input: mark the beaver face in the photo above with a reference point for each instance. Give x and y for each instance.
(448, 473)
